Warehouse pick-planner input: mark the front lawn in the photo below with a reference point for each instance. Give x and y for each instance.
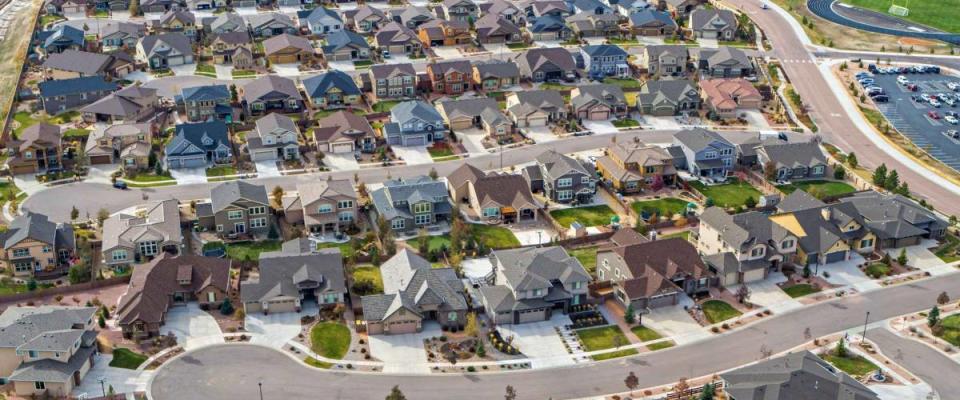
(951, 329)
(206, 70)
(622, 41)
(854, 365)
(7, 286)
(440, 152)
(495, 237)
(625, 123)
(384, 106)
(221, 170)
(330, 340)
(661, 207)
(732, 194)
(555, 86)
(800, 290)
(614, 354)
(370, 275)
(623, 82)
(588, 216)
(149, 178)
(250, 251)
(587, 257)
(602, 338)
(718, 311)
(948, 250)
(313, 362)
(76, 133)
(666, 344)
(243, 74)
(819, 189)
(645, 334)
(126, 358)
(520, 45)
(363, 63)
(878, 270)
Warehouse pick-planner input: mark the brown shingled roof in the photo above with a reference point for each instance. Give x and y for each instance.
(152, 285)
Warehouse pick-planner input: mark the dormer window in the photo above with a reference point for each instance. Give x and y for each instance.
(206, 140)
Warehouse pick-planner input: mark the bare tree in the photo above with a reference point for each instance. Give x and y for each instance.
(511, 393)
(632, 381)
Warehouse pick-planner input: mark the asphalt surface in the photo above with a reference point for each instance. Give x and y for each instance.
(927, 364)
(232, 371)
(825, 9)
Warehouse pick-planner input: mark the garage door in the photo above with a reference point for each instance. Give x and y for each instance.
(343, 147)
(415, 141)
(175, 60)
(401, 327)
(599, 115)
(23, 169)
(537, 121)
(532, 316)
(280, 306)
(101, 159)
(461, 124)
(264, 155)
(836, 256)
(195, 162)
(663, 301)
(755, 275)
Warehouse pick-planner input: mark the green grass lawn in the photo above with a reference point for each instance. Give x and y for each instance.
(614, 354)
(384, 106)
(645, 334)
(622, 41)
(940, 14)
(819, 189)
(625, 123)
(588, 216)
(221, 170)
(555, 86)
(685, 235)
(660, 206)
(362, 63)
(877, 270)
(313, 362)
(495, 237)
(370, 274)
(76, 133)
(250, 251)
(623, 82)
(951, 329)
(440, 152)
(602, 338)
(149, 178)
(732, 194)
(48, 18)
(25, 120)
(330, 340)
(800, 290)
(126, 358)
(948, 250)
(206, 69)
(666, 344)
(243, 74)
(854, 365)
(7, 286)
(587, 257)
(346, 249)
(718, 311)
(434, 243)
(518, 45)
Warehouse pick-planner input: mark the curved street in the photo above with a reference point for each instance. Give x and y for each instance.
(825, 9)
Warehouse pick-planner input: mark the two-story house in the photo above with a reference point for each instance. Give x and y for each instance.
(531, 283)
(680, 8)
(198, 145)
(743, 247)
(324, 206)
(667, 59)
(235, 48)
(395, 38)
(345, 45)
(450, 77)
(181, 21)
(141, 234)
(494, 197)
(794, 161)
(296, 274)
(634, 166)
(129, 144)
(344, 132)
(414, 123)
(730, 98)
(494, 28)
(271, 93)
(546, 64)
(826, 233)
(605, 60)
(595, 25)
(38, 148)
(236, 208)
(36, 248)
(393, 81)
(439, 32)
(331, 89)
(713, 23)
(60, 95)
(461, 10)
(707, 154)
(495, 75)
(481, 112)
(276, 137)
(201, 103)
(561, 178)
(598, 102)
(547, 28)
(226, 22)
(411, 204)
(368, 19)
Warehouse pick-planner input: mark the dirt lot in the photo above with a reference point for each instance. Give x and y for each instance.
(14, 49)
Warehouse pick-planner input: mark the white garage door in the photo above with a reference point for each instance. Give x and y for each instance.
(266, 155)
(343, 147)
(536, 121)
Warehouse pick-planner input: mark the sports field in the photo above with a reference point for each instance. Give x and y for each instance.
(940, 14)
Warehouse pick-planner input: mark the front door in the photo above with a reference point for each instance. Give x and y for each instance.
(239, 227)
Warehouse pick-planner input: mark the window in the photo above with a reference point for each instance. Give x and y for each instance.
(491, 212)
(119, 255)
(564, 182)
(23, 266)
(726, 152)
(537, 292)
(577, 285)
(258, 222)
(149, 248)
(324, 208)
(422, 219)
(345, 204)
(710, 155)
(345, 216)
(39, 385)
(564, 195)
(786, 244)
(219, 228)
(421, 208)
(649, 169)
(866, 243)
(21, 252)
(757, 252)
(818, 170)
(396, 224)
(452, 316)
(236, 214)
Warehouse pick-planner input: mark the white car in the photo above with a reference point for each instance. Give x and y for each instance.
(902, 80)
(935, 103)
(951, 119)
(953, 86)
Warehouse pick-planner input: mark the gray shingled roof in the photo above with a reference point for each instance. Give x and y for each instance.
(20, 325)
(226, 193)
(497, 69)
(174, 40)
(800, 375)
(712, 18)
(409, 281)
(536, 267)
(558, 164)
(418, 188)
(386, 71)
(37, 227)
(609, 95)
(265, 85)
(892, 215)
(793, 155)
(698, 139)
(82, 62)
(281, 270)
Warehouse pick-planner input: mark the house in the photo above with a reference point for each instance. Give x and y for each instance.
(264, 25)
(58, 96)
(369, 19)
(530, 283)
(332, 89)
(129, 144)
(800, 375)
(117, 35)
(707, 153)
(494, 28)
(654, 274)
(414, 123)
(156, 6)
(275, 138)
(631, 167)
(345, 45)
(323, 206)
(744, 247)
(460, 10)
(412, 17)
(494, 197)
(286, 49)
(236, 208)
(595, 25)
(481, 112)
(549, 28)
(36, 248)
(722, 62)
(729, 98)
(73, 6)
(198, 145)
(60, 38)
(495, 75)
(628, 7)
(234, 48)
(668, 59)
(225, 23)
(450, 77)
(546, 64)
(296, 274)
(47, 350)
(680, 8)
(553, 8)
(320, 21)
(271, 93)
(605, 60)
(180, 21)
(397, 39)
(393, 81)
(506, 9)
(438, 32)
(36, 149)
(344, 132)
(411, 204)
(130, 104)
(595, 7)
(826, 233)
(713, 23)
(165, 50)
(897, 221)
(413, 292)
(794, 161)
(650, 22)
(598, 102)
(201, 103)
(536, 108)
(668, 97)
(205, 4)
(561, 178)
(77, 64)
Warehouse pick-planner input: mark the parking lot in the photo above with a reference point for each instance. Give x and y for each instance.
(912, 118)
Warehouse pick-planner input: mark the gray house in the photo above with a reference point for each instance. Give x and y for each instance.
(414, 123)
(236, 208)
(295, 274)
(793, 161)
(800, 375)
(271, 24)
(561, 178)
(61, 95)
(546, 64)
(713, 23)
(896, 220)
(664, 98)
(744, 247)
(707, 153)
(276, 138)
(668, 59)
(722, 62)
(529, 284)
(412, 204)
(207, 102)
(197, 145)
(165, 50)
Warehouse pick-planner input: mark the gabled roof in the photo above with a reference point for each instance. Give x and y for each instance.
(697, 139)
(497, 69)
(19, 325)
(152, 285)
(261, 19)
(712, 19)
(495, 24)
(535, 59)
(387, 71)
(198, 138)
(152, 44)
(604, 50)
(539, 100)
(635, 153)
(66, 87)
(37, 227)
(226, 18)
(422, 188)
(414, 109)
(319, 15)
(274, 122)
(728, 93)
(285, 41)
(225, 194)
(282, 271)
(174, 14)
(547, 23)
(651, 17)
(342, 39)
(745, 229)
(82, 62)
(800, 375)
(365, 11)
(394, 33)
(325, 188)
(205, 93)
(127, 101)
(233, 38)
(606, 94)
(655, 51)
(126, 28)
(892, 216)
(411, 13)
(667, 91)
(793, 155)
(484, 107)
(319, 85)
(64, 33)
(342, 124)
(269, 84)
(159, 221)
(723, 56)
(558, 164)
(535, 267)
(654, 265)
(505, 190)
(446, 67)
(409, 281)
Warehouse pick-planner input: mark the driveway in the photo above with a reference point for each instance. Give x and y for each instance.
(99, 173)
(846, 273)
(540, 134)
(447, 52)
(286, 69)
(194, 327)
(189, 175)
(600, 127)
(121, 379)
(708, 43)
(675, 322)
(341, 162)
(224, 71)
(472, 140)
(413, 155)
(184, 70)
(540, 342)
(275, 330)
(661, 122)
(920, 255)
(28, 183)
(498, 48)
(404, 353)
(345, 66)
(756, 119)
(267, 169)
(767, 294)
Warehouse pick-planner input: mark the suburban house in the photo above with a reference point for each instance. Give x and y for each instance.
(236, 208)
(713, 23)
(156, 6)
(271, 93)
(168, 282)
(276, 137)
(117, 34)
(668, 97)
(546, 64)
(411, 204)
(628, 7)
(722, 62)
(745, 247)
(631, 167)
(548, 27)
(826, 233)
(369, 19)
(414, 123)
(528, 284)
(397, 39)
(534, 108)
(78, 64)
(654, 274)
(494, 28)
(131, 104)
(35, 247)
(47, 350)
(332, 89)
(495, 75)
(61, 38)
(680, 8)
(235, 48)
(412, 17)
(590, 7)
(561, 178)
(38, 148)
(651, 22)
(140, 235)
(413, 292)
(323, 206)
(605, 60)
(129, 144)
(265, 25)
(165, 50)
(288, 49)
(728, 98)
(450, 77)
(707, 153)
(494, 197)
(320, 21)
(598, 102)
(595, 25)
(897, 221)
(345, 45)
(226, 22)
(198, 145)
(439, 32)
(552, 8)
(61, 95)
(181, 21)
(201, 103)
(460, 10)
(504, 8)
(666, 59)
(344, 132)
(800, 375)
(794, 161)
(481, 112)
(393, 81)
(295, 274)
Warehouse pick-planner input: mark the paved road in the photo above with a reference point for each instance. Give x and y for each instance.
(930, 366)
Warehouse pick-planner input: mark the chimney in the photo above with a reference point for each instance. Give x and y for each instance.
(826, 213)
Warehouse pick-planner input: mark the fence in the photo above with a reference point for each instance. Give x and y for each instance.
(64, 290)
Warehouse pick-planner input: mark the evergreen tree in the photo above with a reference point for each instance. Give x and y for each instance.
(707, 392)
(933, 317)
(226, 308)
(629, 316)
(892, 182)
(902, 258)
(396, 394)
(852, 160)
(839, 172)
(880, 175)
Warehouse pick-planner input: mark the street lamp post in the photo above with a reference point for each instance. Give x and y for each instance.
(102, 388)
(863, 338)
(260, 386)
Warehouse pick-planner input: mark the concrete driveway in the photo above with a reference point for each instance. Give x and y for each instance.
(345, 66)
(498, 48)
(189, 175)
(224, 71)
(194, 327)
(472, 140)
(767, 294)
(266, 169)
(341, 162)
(920, 255)
(756, 119)
(660, 122)
(540, 342)
(404, 353)
(846, 273)
(540, 134)
(708, 43)
(275, 330)
(600, 127)
(121, 379)
(98, 173)
(675, 322)
(447, 52)
(287, 69)
(413, 155)
(184, 70)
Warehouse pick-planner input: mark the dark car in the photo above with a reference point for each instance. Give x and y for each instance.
(912, 87)
(872, 68)
(881, 98)
(120, 185)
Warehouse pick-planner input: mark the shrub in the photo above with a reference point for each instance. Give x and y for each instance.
(471, 369)
(725, 326)
(715, 330)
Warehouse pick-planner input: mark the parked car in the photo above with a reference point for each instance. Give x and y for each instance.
(866, 81)
(953, 86)
(902, 80)
(881, 98)
(872, 68)
(912, 87)
(120, 185)
(953, 134)
(916, 98)
(951, 120)
(861, 75)
(935, 103)
(925, 96)
(950, 102)
(952, 113)
(942, 96)
(933, 114)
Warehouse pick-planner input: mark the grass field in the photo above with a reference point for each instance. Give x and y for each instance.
(940, 14)
(602, 338)
(14, 50)
(588, 216)
(221, 170)
(800, 290)
(819, 189)
(854, 365)
(948, 250)
(495, 237)
(877, 270)
(126, 358)
(951, 329)
(587, 257)
(330, 339)
(732, 194)
(666, 344)
(625, 123)
(384, 106)
(718, 311)
(645, 334)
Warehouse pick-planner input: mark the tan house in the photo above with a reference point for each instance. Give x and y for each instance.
(37, 149)
(35, 247)
(148, 231)
(287, 48)
(235, 48)
(744, 247)
(130, 144)
(438, 32)
(494, 197)
(295, 274)
(236, 208)
(482, 113)
(344, 132)
(630, 167)
(323, 206)
(728, 98)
